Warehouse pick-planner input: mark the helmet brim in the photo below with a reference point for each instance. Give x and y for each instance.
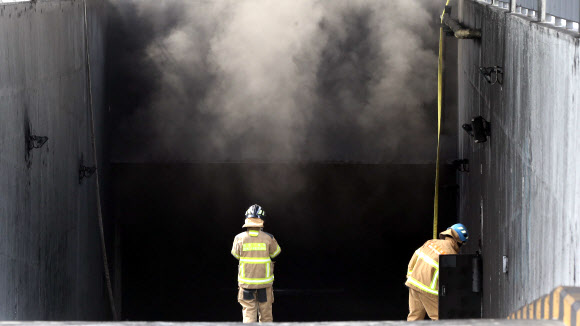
(253, 222)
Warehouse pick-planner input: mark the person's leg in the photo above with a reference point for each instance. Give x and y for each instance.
(431, 304)
(266, 315)
(249, 306)
(416, 309)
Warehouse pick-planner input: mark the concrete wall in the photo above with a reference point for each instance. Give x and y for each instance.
(50, 257)
(521, 198)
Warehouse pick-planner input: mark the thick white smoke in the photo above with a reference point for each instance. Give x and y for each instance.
(287, 80)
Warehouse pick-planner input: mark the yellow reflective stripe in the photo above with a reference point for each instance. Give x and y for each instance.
(254, 247)
(428, 260)
(267, 270)
(422, 286)
(254, 233)
(242, 270)
(255, 260)
(409, 271)
(434, 279)
(256, 280)
(277, 252)
(235, 255)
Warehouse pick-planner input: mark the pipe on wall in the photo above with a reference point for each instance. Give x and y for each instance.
(459, 31)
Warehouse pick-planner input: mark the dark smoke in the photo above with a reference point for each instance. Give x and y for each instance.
(271, 81)
(275, 87)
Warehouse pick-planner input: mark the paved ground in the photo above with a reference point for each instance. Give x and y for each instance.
(465, 322)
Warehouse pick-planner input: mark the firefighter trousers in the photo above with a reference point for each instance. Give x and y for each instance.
(254, 310)
(421, 303)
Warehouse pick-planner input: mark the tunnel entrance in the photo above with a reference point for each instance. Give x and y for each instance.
(189, 81)
(346, 232)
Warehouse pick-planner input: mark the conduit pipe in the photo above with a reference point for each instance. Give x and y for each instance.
(542, 11)
(459, 31)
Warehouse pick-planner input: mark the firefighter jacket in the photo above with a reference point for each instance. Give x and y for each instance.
(255, 250)
(423, 270)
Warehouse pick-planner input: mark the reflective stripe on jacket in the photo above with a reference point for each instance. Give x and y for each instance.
(423, 270)
(255, 250)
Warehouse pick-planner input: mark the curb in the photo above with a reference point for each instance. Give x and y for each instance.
(561, 304)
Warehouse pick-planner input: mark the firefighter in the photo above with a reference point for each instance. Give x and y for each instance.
(255, 250)
(423, 272)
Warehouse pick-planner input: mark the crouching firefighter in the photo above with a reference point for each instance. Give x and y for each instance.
(255, 250)
(423, 272)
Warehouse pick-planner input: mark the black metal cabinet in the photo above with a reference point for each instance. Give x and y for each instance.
(459, 286)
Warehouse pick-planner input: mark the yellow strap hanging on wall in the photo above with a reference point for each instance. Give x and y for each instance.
(439, 104)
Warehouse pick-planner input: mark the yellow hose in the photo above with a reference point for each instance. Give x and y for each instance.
(439, 104)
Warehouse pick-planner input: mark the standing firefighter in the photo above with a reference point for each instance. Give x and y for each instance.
(423, 272)
(255, 250)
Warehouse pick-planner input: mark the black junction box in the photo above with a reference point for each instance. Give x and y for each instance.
(460, 286)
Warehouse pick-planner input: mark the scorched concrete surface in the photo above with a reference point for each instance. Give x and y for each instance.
(50, 258)
(521, 199)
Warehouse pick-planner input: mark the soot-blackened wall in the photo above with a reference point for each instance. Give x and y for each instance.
(521, 197)
(50, 258)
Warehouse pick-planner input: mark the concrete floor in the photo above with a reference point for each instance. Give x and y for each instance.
(471, 322)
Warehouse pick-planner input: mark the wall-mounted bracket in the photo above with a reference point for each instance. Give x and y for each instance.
(492, 75)
(31, 141)
(505, 264)
(479, 129)
(85, 171)
(34, 141)
(461, 165)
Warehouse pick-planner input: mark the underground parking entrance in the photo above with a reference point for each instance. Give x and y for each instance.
(347, 232)
(305, 108)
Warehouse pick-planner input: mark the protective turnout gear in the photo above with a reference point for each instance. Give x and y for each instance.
(255, 250)
(423, 273)
(253, 304)
(421, 304)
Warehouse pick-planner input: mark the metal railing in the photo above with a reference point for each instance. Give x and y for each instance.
(566, 9)
(528, 4)
(562, 13)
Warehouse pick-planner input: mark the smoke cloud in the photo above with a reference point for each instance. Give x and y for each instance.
(271, 81)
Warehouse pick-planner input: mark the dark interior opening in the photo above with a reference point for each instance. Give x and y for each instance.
(347, 232)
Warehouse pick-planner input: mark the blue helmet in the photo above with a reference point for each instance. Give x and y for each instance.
(461, 231)
(256, 211)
